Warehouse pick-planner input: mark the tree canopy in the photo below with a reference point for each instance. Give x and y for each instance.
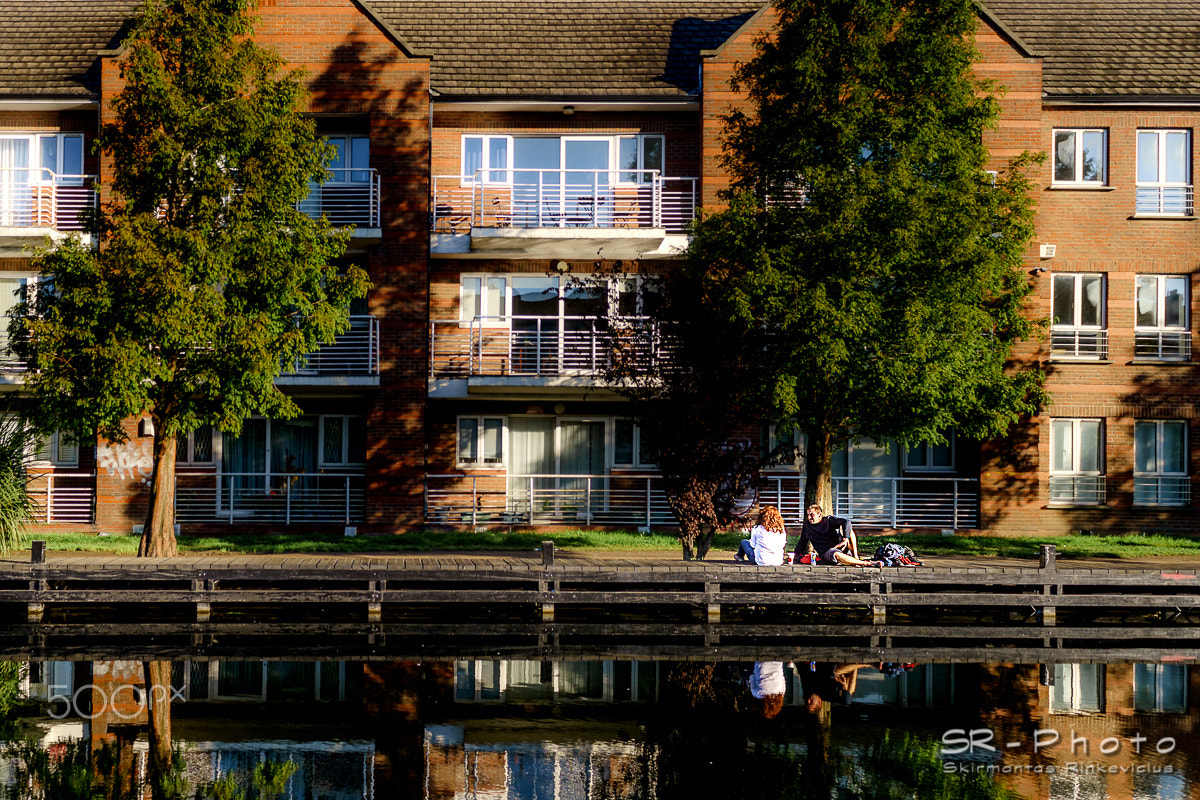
(206, 280)
(866, 274)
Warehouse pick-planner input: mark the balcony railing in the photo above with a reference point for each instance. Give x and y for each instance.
(1172, 201)
(252, 497)
(350, 198)
(1160, 490)
(639, 500)
(68, 497)
(39, 198)
(559, 198)
(541, 346)
(1163, 345)
(1077, 490)
(355, 352)
(1082, 344)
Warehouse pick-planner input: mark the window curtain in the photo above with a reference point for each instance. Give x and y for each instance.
(581, 452)
(14, 182)
(531, 440)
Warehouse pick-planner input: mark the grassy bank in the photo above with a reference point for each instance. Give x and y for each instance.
(1125, 546)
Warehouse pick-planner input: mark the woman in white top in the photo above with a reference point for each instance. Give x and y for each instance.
(767, 542)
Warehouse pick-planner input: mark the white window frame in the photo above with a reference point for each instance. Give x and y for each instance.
(1161, 282)
(61, 454)
(1169, 488)
(346, 173)
(1161, 184)
(488, 317)
(798, 439)
(1077, 279)
(188, 455)
(480, 462)
(1075, 339)
(640, 139)
(1075, 471)
(505, 175)
(345, 462)
(637, 461)
(1159, 698)
(1071, 674)
(929, 466)
(1078, 179)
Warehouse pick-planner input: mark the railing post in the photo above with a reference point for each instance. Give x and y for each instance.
(287, 500)
(587, 498)
(530, 501)
(474, 501)
(537, 361)
(347, 480)
(648, 480)
(954, 515)
(656, 201)
(49, 495)
(895, 501)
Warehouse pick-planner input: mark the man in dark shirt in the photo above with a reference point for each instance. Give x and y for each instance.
(832, 539)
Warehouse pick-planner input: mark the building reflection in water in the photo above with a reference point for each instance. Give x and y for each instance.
(614, 728)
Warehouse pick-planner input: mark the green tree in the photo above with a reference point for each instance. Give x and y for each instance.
(206, 280)
(18, 440)
(867, 273)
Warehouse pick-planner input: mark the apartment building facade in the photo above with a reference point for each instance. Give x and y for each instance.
(491, 158)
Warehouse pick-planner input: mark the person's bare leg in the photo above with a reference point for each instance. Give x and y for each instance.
(853, 544)
(845, 559)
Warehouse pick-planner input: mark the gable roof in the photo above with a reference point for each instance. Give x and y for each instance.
(49, 47)
(1110, 49)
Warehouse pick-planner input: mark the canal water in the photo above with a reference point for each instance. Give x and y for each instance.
(661, 725)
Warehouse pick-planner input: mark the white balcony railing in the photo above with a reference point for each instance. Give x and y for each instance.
(68, 497)
(1163, 345)
(639, 500)
(1077, 490)
(355, 352)
(1169, 201)
(1081, 344)
(558, 198)
(540, 346)
(253, 497)
(350, 198)
(1162, 490)
(39, 198)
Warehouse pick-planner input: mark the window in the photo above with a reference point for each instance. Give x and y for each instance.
(1160, 463)
(343, 440)
(1160, 687)
(927, 457)
(486, 158)
(1080, 156)
(772, 438)
(1077, 688)
(1161, 322)
(1077, 461)
(62, 155)
(629, 450)
(1078, 309)
(59, 449)
(640, 155)
(480, 441)
(351, 160)
(1164, 172)
(195, 447)
(483, 298)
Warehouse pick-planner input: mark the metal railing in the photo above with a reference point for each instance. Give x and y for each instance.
(1074, 343)
(1077, 490)
(542, 346)
(350, 198)
(1165, 200)
(355, 352)
(255, 497)
(1162, 344)
(1157, 490)
(40, 198)
(563, 198)
(63, 497)
(639, 500)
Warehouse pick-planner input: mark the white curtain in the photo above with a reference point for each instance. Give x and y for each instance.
(531, 442)
(14, 182)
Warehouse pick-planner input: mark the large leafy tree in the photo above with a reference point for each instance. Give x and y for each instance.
(867, 273)
(206, 280)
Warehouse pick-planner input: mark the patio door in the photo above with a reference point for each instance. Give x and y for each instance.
(586, 193)
(15, 190)
(580, 453)
(244, 469)
(531, 451)
(535, 326)
(549, 448)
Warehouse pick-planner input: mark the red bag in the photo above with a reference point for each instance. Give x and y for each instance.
(806, 558)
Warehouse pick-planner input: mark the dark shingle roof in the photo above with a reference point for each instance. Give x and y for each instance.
(48, 47)
(1110, 48)
(565, 47)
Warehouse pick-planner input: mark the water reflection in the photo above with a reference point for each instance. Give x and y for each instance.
(606, 728)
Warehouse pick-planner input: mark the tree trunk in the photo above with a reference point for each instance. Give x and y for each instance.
(818, 471)
(158, 534)
(158, 719)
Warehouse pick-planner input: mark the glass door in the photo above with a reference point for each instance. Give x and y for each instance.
(581, 453)
(535, 346)
(536, 191)
(15, 191)
(531, 451)
(244, 470)
(587, 198)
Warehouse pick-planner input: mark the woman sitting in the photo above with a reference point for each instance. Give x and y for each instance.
(767, 542)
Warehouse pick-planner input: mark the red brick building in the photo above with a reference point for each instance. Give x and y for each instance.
(488, 154)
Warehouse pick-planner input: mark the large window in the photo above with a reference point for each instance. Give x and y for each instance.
(927, 457)
(1078, 309)
(351, 159)
(1160, 463)
(501, 158)
(1077, 461)
(195, 447)
(480, 441)
(1161, 321)
(59, 449)
(1160, 687)
(1080, 156)
(1078, 688)
(1164, 174)
(629, 447)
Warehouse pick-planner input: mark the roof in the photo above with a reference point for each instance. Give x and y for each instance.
(1110, 49)
(48, 47)
(576, 48)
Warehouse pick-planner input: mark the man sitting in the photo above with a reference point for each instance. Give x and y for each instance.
(830, 539)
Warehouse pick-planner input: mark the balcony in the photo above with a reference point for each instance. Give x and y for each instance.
(1084, 345)
(36, 203)
(630, 500)
(1164, 201)
(279, 499)
(1163, 345)
(556, 213)
(352, 359)
(350, 197)
(524, 354)
(63, 497)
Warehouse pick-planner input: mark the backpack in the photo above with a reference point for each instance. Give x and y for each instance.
(896, 555)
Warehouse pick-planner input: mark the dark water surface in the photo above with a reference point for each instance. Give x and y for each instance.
(1057, 714)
